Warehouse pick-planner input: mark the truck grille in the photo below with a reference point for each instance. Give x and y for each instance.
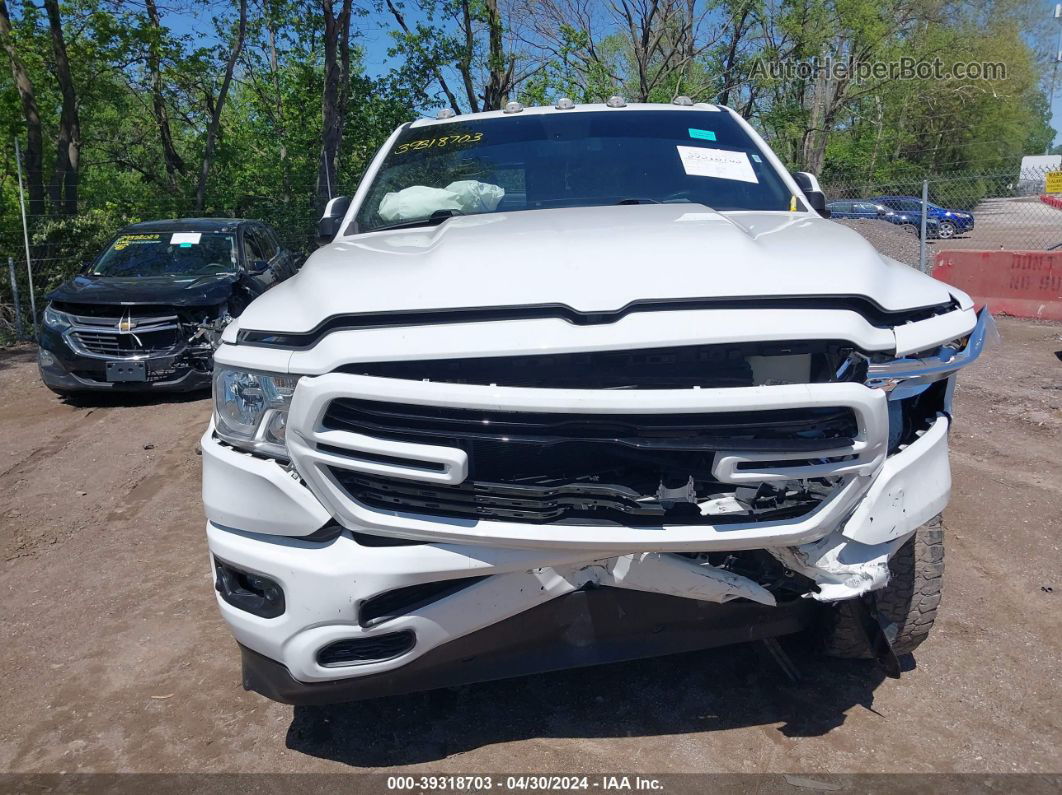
(682, 367)
(552, 467)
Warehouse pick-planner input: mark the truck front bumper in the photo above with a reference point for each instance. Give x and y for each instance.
(516, 609)
(582, 628)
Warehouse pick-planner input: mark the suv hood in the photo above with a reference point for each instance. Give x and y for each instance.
(592, 259)
(174, 290)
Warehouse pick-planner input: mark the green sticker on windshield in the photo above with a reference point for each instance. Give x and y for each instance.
(703, 135)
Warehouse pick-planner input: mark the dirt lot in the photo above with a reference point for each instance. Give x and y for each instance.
(115, 659)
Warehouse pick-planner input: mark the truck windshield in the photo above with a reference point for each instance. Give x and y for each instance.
(139, 254)
(574, 159)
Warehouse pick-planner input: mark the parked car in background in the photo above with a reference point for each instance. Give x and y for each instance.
(952, 222)
(868, 210)
(148, 312)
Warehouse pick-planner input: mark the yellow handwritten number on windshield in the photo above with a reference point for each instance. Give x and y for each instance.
(438, 143)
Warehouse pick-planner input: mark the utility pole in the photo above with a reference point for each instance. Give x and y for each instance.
(25, 237)
(1054, 68)
(923, 265)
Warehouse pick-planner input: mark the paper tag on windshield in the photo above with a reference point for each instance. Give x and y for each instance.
(185, 237)
(718, 163)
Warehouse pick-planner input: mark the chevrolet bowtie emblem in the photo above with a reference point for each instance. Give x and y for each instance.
(126, 324)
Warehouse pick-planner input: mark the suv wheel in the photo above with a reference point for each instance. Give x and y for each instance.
(909, 601)
(910, 229)
(947, 229)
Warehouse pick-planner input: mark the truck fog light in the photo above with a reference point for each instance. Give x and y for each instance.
(364, 650)
(45, 358)
(245, 590)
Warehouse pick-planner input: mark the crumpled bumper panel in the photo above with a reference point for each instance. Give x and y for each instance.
(325, 584)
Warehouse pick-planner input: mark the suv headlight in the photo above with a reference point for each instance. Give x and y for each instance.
(55, 319)
(251, 409)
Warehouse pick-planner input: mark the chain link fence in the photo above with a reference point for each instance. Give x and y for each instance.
(1008, 211)
(998, 211)
(61, 246)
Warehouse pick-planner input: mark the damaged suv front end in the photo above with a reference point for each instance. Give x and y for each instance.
(92, 346)
(148, 312)
(546, 435)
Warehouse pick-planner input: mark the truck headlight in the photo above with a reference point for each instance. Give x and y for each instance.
(251, 409)
(910, 375)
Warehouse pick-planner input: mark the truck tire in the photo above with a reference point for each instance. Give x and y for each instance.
(909, 601)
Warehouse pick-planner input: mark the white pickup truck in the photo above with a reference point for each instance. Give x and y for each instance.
(576, 384)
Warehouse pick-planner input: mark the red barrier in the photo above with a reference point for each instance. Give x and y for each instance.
(1018, 283)
(1054, 201)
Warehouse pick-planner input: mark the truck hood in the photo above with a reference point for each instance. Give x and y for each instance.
(592, 259)
(174, 290)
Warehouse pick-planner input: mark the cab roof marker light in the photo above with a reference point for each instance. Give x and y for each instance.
(445, 113)
(564, 104)
(513, 107)
(616, 101)
(684, 101)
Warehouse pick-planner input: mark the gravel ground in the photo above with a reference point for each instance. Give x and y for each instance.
(115, 658)
(1024, 224)
(889, 239)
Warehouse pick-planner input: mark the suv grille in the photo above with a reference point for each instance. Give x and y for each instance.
(115, 343)
(121, 331)
(550, 467)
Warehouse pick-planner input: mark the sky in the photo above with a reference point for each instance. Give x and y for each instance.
(375, 41)
(1056, 114)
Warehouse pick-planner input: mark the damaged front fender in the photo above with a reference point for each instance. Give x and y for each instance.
(841, 568)
(911, 488)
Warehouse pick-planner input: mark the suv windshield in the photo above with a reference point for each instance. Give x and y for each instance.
(168, 254)
(574, 159)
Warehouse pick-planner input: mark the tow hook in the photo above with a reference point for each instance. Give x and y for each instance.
(879, 632)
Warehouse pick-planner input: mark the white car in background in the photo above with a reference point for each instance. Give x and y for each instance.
(577, 384)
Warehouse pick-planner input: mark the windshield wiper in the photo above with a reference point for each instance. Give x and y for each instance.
(639, 201)
(434, 219)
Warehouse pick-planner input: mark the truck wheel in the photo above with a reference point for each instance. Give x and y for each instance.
(909, 601)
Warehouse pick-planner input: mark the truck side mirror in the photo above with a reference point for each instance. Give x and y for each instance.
(809, 184)
(328, 226)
